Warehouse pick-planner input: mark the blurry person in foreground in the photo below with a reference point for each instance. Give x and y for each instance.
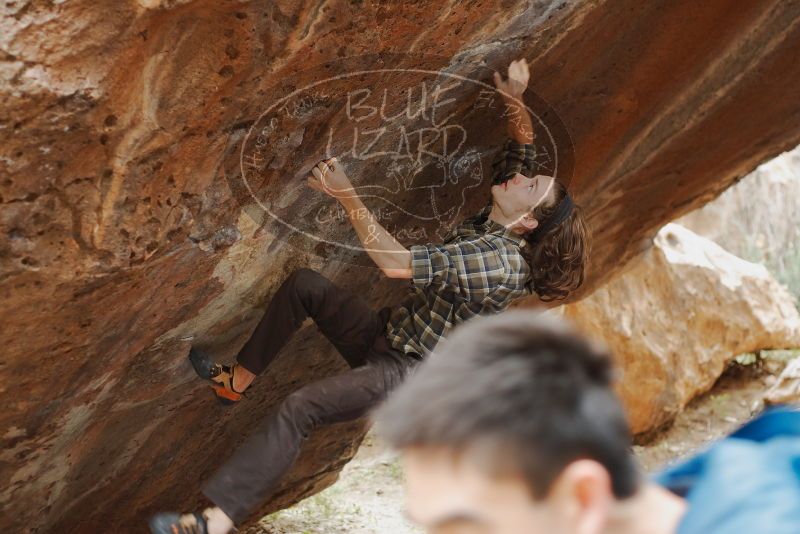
(512, 427)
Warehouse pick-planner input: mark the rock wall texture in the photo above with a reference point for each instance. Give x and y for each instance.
(151, 189)
(786, 389)
(677, 315)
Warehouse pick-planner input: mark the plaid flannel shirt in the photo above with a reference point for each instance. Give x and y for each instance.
(478, 270)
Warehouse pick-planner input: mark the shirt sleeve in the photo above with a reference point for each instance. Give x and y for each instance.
(514, 158)
(466, 268)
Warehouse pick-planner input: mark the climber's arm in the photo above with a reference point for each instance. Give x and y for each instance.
(518, 151)
(388, 254)
(386, 251)
(520, 126)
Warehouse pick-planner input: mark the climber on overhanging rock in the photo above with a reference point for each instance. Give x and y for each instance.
(529, 238)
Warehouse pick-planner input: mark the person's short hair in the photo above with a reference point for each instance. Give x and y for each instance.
(524, 386)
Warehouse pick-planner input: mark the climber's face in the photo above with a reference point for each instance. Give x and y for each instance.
(521, 194)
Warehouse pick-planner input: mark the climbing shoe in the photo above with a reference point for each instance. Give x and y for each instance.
(221, 376)
(172, 523)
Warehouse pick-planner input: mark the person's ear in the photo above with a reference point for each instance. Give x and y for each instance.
(583, 495)
(528, 222)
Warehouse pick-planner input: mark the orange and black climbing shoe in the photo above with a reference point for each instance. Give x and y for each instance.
(172, 523)
(221, 376)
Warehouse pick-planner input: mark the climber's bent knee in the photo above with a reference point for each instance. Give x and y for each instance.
(308, 282)
(301, 410)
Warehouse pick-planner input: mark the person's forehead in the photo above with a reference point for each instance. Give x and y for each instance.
(441, 484)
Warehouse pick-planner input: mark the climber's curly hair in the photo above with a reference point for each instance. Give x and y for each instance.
(558, 258)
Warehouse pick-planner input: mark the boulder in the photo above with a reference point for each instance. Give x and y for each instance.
(677, 315)
(758, 218)
(152, 190)
(786, 389)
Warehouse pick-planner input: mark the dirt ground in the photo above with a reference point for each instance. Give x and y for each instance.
(368, 497)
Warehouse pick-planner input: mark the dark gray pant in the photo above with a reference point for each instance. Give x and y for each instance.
(358, 332)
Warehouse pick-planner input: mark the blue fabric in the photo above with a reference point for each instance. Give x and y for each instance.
(747, 483)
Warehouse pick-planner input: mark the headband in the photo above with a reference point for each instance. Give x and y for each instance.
(556, 217)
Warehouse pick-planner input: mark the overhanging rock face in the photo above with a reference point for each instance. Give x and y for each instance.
(152, 181)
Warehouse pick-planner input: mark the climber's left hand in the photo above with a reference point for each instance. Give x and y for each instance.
(518, 77)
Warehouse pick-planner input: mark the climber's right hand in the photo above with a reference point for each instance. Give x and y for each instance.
(329, 177)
